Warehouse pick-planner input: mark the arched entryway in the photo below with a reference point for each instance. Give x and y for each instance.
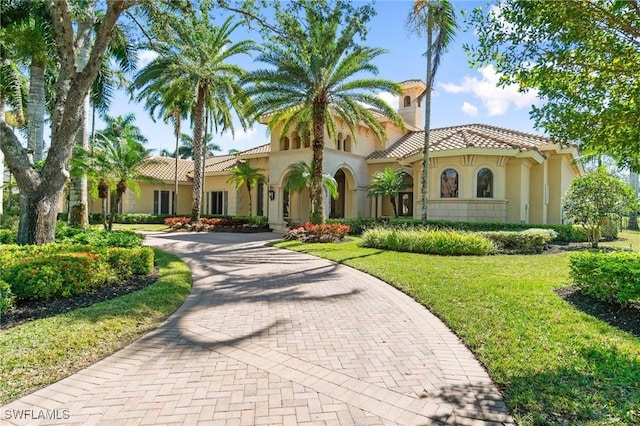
(338, 205)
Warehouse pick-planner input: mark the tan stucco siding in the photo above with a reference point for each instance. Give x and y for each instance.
(538, 193)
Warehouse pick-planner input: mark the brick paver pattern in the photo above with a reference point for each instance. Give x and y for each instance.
(269, 336)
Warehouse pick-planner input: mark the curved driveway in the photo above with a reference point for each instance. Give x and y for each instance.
(269, 336)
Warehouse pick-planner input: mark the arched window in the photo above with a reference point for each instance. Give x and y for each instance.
(347, 144)
(284, 144)
(449, 184)
(339, 142)
(407, 101)
(307, 139)
(485, 184)
(296, 141)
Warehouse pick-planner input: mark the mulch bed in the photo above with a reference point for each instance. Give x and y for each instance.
(32, 310)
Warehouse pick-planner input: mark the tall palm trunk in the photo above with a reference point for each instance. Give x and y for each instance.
(78, 196)
(317, 213)
(176, 130)
(2, 183)
(250, 203)
(197, 153)
(427, 122)
(36, 109)
(633, 217)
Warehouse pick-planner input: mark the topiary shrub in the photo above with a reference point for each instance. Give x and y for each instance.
(428, 241)
(610, 277)
(130, 261)
(529, 241)
(57, 275)
(324, 233)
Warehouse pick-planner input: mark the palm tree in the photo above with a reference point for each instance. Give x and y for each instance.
(436, 19)
(186, 148)
(388, 182)
(244, 174)
(193, 58)
(121, 125)
(301, 178)
(315, 79)
(116, 165)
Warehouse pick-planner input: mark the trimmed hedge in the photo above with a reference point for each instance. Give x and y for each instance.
(127, 262)
(565, 233)
(7, 298)
(428, 241)
(529, 241)
(220, 223)
(610, 277)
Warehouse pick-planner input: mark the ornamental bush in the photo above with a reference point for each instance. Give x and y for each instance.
(130, 261)
(7, 298)
(322, 233)
(428, 241)
(58, 275)
(529, 241)
(610, 277)
(102, 238)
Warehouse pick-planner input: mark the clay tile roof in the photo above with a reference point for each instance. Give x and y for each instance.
(461, 137)
(262, 149)
(163, 168)
(220, 163)
(412, 81)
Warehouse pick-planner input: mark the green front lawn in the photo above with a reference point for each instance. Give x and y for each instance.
(44, 351)
(555, 364)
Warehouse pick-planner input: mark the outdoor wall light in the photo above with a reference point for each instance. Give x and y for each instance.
(272, 194)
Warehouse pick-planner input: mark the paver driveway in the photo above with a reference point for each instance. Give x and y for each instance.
(269, 336)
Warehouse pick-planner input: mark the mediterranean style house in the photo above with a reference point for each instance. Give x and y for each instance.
(477, 173)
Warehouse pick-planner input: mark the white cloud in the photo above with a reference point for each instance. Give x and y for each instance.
(390, 98)
(469, 109)
(496, 100)
(146, 56)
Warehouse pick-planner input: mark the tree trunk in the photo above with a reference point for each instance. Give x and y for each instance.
(36, 110)
(317, 206)
(633, 217)
(197, 153)
(393, 203)
(427, 123)
(176, 127)
(249, 190)
(38, 214)
(79, 194)
(2, 182)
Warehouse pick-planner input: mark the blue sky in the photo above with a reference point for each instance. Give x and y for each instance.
(462, 95)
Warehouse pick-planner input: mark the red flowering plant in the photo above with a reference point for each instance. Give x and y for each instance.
(323, 233)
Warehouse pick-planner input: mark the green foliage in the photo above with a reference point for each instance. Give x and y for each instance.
(130, 261)
(611, 277)
(244, 174)
(7, 298)
(7, 236)
(529, 241)
(322, 233)
(610, 227)
(357, 225)
(98, 238)
(388, 182)
(565, 233)
(585, 73)
(593, 198)
(427, 241)
(57, 275)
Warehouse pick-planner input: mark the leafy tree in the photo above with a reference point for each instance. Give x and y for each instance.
(435, 19)
(193, 57)
(185, 151)
(593, 198)
(121, 125)
(244, 174)
(301, 178)
(583, 58)
(41, 190)
(315, 78)
(116, 164)
(388, 182)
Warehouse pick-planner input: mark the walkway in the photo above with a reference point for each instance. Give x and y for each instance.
(269, 336)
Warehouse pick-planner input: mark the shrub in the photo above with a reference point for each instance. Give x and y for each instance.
(610, 277)
(220, 223)
(609, 228)
(428, 241)
(7, 298)
(177, 222)
(528, 241)
(7, 236)
(356, 225)
(57, 275)
(98, 238)
(130, 261)
(324, 233)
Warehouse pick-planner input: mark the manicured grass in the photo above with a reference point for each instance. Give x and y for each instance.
(555, 364)
(626, 239)
(41, 352)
